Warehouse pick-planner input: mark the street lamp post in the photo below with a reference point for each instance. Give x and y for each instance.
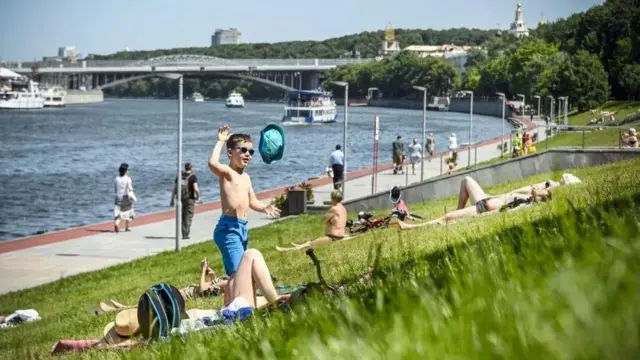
(424, 126)
(297, 75)
(538, 125)
(178, 202)
(551, 100)
(524, 105)
(345, 85)
(470, 125)
(502, 95)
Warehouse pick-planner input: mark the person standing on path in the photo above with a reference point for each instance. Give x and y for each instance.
(415, 154)
(453, 144)
(431, 145)
(189, 194)
(123, 209)
(398, 155)
(336, 163)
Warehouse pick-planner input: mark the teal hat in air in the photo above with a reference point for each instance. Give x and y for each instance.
(271, 143)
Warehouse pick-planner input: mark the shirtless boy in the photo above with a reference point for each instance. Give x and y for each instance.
(237, 197)
(335, 222)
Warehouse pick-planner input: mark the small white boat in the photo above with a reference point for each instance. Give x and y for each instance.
(304, 106)
(53, 96)
(235, 100)
(20, 95)
(197, 97)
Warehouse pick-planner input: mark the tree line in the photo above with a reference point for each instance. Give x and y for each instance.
(209, 88)
(588, 57)
(366, 44)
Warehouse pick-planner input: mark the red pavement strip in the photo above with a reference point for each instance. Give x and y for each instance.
(74, 233)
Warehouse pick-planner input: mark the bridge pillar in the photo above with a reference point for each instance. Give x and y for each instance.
(311, 81)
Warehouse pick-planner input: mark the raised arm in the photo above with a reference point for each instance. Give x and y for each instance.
(220, 170)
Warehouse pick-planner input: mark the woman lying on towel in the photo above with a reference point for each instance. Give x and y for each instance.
(482, 204)
(252, 269)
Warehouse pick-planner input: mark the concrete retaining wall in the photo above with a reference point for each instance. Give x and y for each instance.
(397, 103)
(482, 107)
(83, 97)
(512, 170)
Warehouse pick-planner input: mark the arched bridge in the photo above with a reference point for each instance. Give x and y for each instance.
(100, 74)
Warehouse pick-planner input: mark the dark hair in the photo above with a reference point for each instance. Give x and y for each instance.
(399, 137)
(123, 169)
(236, 139)
(338, 147)
(187, 166)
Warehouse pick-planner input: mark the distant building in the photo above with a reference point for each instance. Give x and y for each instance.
(518, 27)
(51, 58)
(224, 37)
(454, 54)
(67, 52)
(389, 45)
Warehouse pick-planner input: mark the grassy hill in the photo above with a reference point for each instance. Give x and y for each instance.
(557, 280)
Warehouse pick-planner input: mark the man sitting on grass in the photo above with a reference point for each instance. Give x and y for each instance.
(481, 203)
(335, 222)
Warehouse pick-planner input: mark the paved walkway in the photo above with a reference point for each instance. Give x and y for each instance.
(40, 259)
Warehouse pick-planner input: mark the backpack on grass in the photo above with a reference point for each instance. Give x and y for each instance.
(160, 309)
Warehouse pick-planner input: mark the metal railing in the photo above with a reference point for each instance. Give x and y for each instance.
(187, 60)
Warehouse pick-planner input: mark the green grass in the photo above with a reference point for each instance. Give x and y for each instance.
(622, 109)
(555, 281)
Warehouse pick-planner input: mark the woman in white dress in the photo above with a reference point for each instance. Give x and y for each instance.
(123, 209)
(415, 153)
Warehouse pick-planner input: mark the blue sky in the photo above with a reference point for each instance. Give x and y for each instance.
(34, 28)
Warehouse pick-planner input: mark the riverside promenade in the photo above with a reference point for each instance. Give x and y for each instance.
(40, 259)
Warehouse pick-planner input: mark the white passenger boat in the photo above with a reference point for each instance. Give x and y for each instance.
(20, 95)
(304, 106)
(197, 97)
(235, 100)
(53, 96)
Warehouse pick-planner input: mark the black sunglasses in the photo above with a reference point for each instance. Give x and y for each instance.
(244, 150)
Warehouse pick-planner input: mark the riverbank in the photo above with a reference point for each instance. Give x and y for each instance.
(499, 254)
(90, 142)
(69, 252)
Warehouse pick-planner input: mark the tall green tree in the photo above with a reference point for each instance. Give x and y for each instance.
(583, 78)
(630, 80)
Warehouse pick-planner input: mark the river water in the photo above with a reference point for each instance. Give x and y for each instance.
(57, 166)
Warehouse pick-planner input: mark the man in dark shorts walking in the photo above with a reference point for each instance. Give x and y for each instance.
(336, 163)
(398, 155)
(189, 194)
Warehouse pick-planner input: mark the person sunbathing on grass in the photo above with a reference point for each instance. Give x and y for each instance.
(210, 286)
(335, 222)
(482, 204)
(252, 275)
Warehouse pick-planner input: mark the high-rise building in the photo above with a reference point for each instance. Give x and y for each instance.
(226, 36)
(67, 52)
(518, 27)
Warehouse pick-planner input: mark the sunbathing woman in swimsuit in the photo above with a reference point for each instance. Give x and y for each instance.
(481, 203)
